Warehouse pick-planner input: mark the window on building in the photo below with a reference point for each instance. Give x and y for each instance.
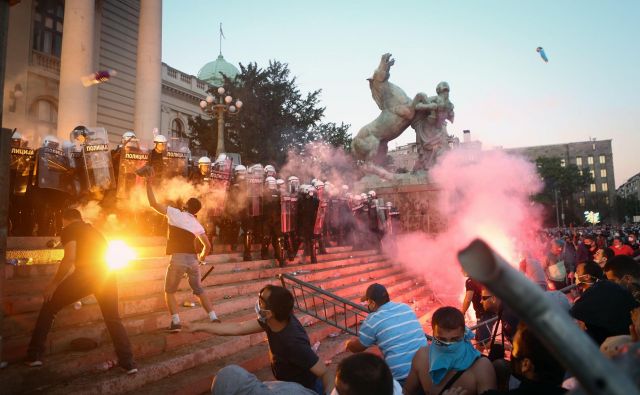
(590, 160)
(592, 173)
(580, 171)
(602, 159)
(603, 173)
(581, 200)
(606, 200)
(177, 128)
(592, 187)
(44, 111)
(579, 161)
(48, 17)
(563, 163)
(605, 187)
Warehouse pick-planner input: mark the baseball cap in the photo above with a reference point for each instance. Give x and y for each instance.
(376, 292)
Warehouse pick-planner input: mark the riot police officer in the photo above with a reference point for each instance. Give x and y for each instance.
(20, 218)
(237, 210)
(306, 218)
(203, 175)
(272, 225)
(49, 189)
(289, 209)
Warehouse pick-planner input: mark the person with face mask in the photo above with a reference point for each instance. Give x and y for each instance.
(393, 327)
(292, 358)
(621, 249)
(586, 249)
(450, 360)
(537, 369)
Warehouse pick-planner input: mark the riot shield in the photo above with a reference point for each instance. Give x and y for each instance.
(176, 161)
(132, 157)
(20, 168)
(285, 212)
(254, 192)
(93, 167)
(52, 170)
(320, 214)
(220, 181)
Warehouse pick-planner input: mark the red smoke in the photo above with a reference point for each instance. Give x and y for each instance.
(483, 194)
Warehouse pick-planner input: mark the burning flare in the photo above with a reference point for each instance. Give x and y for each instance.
(119, 254)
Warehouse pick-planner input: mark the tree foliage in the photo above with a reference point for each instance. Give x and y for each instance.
(567, 181)
(275, 118)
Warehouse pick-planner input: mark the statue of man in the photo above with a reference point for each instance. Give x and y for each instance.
(430, 124)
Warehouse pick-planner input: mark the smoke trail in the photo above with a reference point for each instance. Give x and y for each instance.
(323, 161)
(484, 195)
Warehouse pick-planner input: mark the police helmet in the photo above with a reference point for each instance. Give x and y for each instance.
(270, 182)
(160, 139)
(204, 161)
(128, 135)
(51, 142)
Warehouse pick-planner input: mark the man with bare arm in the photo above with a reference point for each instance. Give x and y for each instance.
(450, 362)
(184, 229)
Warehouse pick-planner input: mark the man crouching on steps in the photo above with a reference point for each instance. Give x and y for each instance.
(184, 228)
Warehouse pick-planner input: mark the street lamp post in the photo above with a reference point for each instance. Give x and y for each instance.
(217, 107)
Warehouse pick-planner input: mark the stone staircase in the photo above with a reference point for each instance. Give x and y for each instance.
(185, 362)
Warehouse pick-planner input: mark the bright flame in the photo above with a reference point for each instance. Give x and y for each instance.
(119, 254)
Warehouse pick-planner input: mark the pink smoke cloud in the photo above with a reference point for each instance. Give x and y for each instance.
(483, 194)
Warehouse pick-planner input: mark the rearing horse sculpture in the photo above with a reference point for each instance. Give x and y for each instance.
(398, 110)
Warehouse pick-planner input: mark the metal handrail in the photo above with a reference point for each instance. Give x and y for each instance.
(330, 308)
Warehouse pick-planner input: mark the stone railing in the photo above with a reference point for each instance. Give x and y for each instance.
(191, 83)
(45, 61)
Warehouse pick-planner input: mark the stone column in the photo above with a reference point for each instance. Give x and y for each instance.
(148, 70)
(75, 101)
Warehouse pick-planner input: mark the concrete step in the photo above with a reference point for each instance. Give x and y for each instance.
(24, 294)
(145, 345)
(222, 263)
(87, 322)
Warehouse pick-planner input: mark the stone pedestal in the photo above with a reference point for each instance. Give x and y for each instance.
(414, 196)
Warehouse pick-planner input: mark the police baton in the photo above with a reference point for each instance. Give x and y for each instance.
(208, 271)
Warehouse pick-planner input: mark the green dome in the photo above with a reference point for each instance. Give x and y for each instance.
(210, 72)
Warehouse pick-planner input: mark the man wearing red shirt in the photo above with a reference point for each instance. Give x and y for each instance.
(621, 249)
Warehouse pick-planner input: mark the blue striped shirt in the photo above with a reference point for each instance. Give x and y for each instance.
(395, 329)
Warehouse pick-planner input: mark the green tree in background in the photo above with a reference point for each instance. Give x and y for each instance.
(276, 117)
(566, 181)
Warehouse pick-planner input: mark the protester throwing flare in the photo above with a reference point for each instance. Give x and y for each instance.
(84, 250)
(184, 228)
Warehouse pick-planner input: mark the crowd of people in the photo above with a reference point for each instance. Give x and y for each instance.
(593, 274)
(242, 205)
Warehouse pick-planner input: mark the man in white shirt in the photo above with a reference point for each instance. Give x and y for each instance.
(184, 229)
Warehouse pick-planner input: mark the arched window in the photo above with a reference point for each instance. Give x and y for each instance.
(177, 128)
(48, 17)
(44, 110)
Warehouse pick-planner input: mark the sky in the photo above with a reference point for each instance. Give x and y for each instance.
(502, 90)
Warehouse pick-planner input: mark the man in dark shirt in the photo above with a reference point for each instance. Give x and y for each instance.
(84, 249)
(473, 296)
(292, 358)
(537, 369)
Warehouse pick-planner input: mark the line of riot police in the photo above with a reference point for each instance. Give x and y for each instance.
(46, 179)
(253, 206)
(240, 205)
